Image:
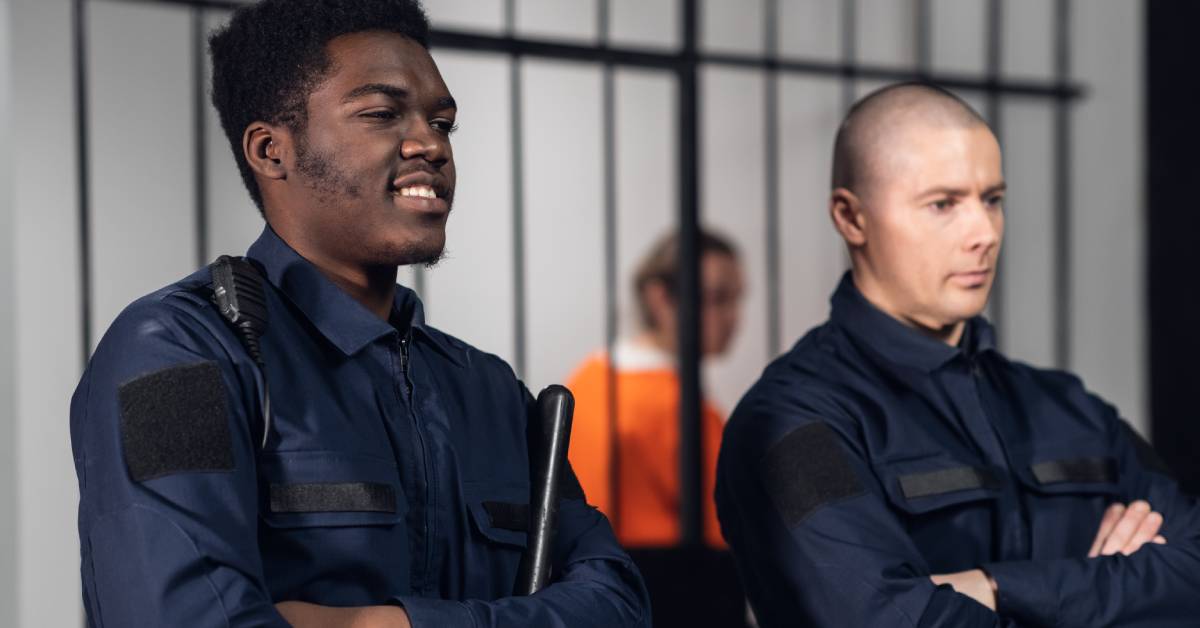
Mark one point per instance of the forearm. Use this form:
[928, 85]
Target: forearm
[1155, 583]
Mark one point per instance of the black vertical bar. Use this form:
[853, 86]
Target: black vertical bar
[199, 138]
[518, 197]
[79, 32]
[993, 59]
[849, 50]
[691, 454]
[1172, 133]
[1062, 196]
[771, 142]
[611, 298]
[923, 32]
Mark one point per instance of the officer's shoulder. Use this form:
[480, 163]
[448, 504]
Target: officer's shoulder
[796, 390]
[470, 356]
[174, 312]
[1057, 384]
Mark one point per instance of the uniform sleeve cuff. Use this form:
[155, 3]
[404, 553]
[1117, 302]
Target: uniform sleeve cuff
[426, 612]
[1022, 593]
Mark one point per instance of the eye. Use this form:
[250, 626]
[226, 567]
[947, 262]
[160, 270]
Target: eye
[444, 126]
[379, 114]
[995, 202]
[942, 205]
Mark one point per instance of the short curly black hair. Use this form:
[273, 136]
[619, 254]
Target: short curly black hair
[271, 55]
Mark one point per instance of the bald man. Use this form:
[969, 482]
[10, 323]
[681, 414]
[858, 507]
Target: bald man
[895, 469]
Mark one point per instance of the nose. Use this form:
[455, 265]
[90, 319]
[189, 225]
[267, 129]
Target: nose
[421, 140]
[984, 227]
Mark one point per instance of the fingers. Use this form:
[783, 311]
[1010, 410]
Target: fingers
[1123, 533]
[1111, 517]
[1145, 533]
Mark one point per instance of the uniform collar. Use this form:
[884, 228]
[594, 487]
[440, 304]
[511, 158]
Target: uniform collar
[897, 342]
[343, 321]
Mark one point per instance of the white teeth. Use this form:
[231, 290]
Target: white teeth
[422, 191]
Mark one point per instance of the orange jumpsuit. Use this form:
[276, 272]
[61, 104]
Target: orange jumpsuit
[648, 431]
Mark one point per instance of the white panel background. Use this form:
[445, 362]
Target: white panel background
[1027, 257]
[810, 29]
[1027, 46]
[959, 35]
[554, 19]
[141, 160]
[812, 257]
[644, 23]
[732, 26]
[564, 217]
[142, 178]
[46, 307]
[886, 32]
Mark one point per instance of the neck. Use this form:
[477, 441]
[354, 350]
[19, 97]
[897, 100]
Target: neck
[873, 292]
[661, 339]
[372, 286]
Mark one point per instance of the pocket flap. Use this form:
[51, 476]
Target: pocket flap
[500, 513]
[312, 489]
[1072, 474]
[929, 484]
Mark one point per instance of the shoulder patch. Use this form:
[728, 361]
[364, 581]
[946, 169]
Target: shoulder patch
[806, 470]
[176, 420]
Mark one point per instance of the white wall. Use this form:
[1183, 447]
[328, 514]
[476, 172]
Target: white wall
[143, 215]
[46, 309]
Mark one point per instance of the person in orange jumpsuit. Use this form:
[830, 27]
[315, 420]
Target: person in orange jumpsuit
[635, 480]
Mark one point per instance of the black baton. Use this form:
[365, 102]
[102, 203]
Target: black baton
[550, 436]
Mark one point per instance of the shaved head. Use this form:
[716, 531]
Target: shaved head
[879, 120]
[918, 191]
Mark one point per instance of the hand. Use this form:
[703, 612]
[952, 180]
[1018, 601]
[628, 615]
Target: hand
[974, 584]
[1125, 530]
[305, 615]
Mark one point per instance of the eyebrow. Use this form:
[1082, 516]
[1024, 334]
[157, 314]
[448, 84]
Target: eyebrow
[392, 91]
[947, 191]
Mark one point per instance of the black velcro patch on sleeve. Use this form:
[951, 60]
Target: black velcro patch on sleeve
[174, 421]
[507, 516]
[1075, 470]
[806, 470]
[946, 481]
[332, 497]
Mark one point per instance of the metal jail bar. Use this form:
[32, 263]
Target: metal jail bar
[685, 64]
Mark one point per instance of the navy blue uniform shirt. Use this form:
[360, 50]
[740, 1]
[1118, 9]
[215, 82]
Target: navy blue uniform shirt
[871, 456]
[395, 471]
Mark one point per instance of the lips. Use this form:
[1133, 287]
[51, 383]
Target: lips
[420, 185]
[972, 277]
[422, 193]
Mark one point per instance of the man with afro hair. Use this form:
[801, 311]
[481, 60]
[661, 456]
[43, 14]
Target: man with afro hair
[282, 439]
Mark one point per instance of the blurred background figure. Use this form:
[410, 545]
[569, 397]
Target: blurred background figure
[635, 479]
[625, 439]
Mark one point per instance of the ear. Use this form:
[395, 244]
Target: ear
[846, 210]
[659, 302]
[265, 146]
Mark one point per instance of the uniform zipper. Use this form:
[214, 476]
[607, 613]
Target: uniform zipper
[420, 438]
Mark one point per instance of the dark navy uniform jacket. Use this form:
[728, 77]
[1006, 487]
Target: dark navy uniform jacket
[396, 470]
[870, 457]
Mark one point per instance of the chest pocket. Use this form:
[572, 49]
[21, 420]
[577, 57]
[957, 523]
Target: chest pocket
[496, 537]
[1067, 491]
[333, 527]
[946, 506]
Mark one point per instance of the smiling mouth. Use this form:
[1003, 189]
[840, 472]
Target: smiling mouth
[418, 191]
